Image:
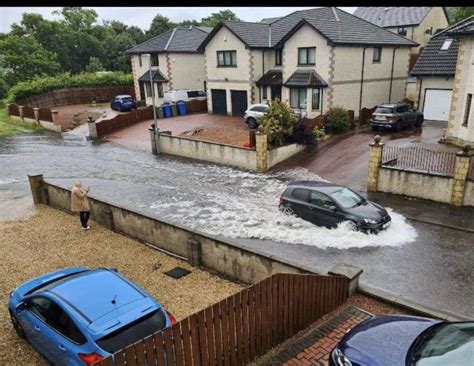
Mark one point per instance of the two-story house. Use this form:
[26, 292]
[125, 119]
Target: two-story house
[461, 118]
[176, 63]
[415, 23]
[314, 59]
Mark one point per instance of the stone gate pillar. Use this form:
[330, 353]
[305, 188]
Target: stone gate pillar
[20, 112]
[261, 147]
[461, 171]
[375, 161]
[93, 135]
[36, 112]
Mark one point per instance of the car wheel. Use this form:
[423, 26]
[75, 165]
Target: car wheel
[398, 126]
[353, 226]
[287, 211]
[419, 122]
[252, 123]
[18, 328]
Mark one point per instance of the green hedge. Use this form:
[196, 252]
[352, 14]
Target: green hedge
[40, 85]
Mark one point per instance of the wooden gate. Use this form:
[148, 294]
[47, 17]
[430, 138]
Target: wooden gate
[241, 327]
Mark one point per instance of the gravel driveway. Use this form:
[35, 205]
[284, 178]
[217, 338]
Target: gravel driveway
[52, 239]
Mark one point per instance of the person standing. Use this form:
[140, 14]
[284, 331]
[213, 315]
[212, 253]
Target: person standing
[79, 203]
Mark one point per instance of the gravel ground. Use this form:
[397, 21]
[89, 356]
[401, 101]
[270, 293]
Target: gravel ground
[224, 135]
[52, 239]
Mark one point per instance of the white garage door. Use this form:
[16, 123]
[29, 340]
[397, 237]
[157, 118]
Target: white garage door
[437, 104]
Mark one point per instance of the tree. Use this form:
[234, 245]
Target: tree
[94, 65]
[278, 123]
[159, 24]
[215, 18]
[187, 23]
[461, 13]
[77, 18]
[25, 58]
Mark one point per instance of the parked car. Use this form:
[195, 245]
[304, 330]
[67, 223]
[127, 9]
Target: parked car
[395, 117]
[123, 103]
[255, 113]
[173, 96]
[77, 316]
[398, 340]
[327, 204]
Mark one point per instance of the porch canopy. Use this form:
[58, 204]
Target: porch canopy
[271, 78]
[308, 78]
[156, 76]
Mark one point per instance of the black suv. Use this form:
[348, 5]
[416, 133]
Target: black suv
[395, 116]
[327, 204]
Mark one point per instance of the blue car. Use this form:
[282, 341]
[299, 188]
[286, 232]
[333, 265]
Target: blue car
[123, 103]
[397, 340]
[77, 316]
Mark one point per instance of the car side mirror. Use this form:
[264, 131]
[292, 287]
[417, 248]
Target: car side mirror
[333, 208]
[21, 306]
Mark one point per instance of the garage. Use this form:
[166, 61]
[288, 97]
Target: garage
[239, 102]
[437, 104]
[219, 102]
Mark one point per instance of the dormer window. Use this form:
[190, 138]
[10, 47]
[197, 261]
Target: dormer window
[446, 44]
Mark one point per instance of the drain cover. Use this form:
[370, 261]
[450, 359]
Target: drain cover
[177, 272]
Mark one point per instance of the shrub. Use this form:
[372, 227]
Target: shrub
[337, 120]
[46, 84]
[318, 132]
[278, 123]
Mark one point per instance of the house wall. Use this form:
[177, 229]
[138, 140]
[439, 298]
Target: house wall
[238, 78]
[432, 83]
[463, 85]
[138, 71]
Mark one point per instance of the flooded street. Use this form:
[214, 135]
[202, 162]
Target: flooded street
[413, 259]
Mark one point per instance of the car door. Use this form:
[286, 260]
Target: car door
[321, 209]
[298, 202]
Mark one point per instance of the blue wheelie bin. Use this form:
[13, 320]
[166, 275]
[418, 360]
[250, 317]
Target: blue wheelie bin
[167, 110]
[181, 108]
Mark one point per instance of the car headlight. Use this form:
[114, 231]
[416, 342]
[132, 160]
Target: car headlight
[370, 221]
[340, 358]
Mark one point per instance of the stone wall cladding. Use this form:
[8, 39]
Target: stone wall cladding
[457, 81]
[169, 72]
[251, 76]
[461, 171]
[375, 161]
[332, 62]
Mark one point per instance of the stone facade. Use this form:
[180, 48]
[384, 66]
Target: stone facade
[375, 161]
[461, 171]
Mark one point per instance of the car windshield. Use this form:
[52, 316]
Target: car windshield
[444, 344]
[346, 198]
[133, 332]
[383, 110]
[127, 100]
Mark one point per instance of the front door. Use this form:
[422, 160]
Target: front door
[276, 92]
[239, 102]
[219, 101]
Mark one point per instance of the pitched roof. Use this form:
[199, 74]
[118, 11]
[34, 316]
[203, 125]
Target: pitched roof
[271, 77]
[269, 20]
[305, 78]
[156, 76]
[393, 16]
[337, 26]
[436, 62]
[463, 28]
[179, 39]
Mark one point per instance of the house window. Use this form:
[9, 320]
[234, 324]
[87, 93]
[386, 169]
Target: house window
[402, 31]
[446, 44]
[140, 60]
[315, 97]
[160, 90]
[278, 57]
[306, 55]
[154, 59]
[468, 110]
[377, 55]
[264, 93]
[226, 58]
[298, 98]
[148, 89]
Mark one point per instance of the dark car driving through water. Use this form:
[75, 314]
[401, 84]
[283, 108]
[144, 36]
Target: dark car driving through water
[327, 204]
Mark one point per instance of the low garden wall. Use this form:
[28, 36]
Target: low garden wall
[258, 158]
[45, 117]
[77, 96]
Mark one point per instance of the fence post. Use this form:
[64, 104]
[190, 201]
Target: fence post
[36, 112]
[7, 110]
[261, 151]
[375, 161]
[461, 171]
[20, 112]
[55, 115]
[36, 184]
[92, 128]
[154, 144]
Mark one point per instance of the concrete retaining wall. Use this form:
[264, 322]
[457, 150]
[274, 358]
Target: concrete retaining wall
[45, 124]
[214, 254]
[276, 156]
[415, 184]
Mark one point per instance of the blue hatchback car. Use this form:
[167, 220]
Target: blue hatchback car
[123, 103]
[77, 316]
[398, 340]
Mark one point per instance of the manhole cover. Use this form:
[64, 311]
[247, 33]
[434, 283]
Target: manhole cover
[177, 272]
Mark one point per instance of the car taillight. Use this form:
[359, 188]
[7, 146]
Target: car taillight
[172, 318]
[89, 359]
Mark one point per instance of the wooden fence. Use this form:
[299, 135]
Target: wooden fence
[196, 106]
[45, 114]
[28, 112]
[123, 120]
[241, 327]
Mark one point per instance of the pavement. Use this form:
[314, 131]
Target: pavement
[138, 136]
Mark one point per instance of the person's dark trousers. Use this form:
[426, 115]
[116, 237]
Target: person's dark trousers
[84, 216]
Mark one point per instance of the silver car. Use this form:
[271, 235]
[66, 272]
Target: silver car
[254, 114]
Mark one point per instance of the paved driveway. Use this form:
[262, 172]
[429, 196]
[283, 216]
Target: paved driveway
[137, 136]
[345, 160]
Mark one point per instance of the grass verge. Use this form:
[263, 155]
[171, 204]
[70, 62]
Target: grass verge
[10, 126]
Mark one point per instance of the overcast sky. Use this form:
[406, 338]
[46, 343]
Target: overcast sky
[141, 17]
